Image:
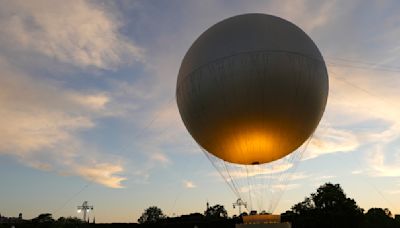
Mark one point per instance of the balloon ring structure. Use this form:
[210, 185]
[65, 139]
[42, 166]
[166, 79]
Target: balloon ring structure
[252, 89]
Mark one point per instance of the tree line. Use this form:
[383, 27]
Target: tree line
[42, 220]
[328, 207]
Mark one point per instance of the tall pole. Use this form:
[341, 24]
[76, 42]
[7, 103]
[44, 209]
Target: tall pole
[85, 208]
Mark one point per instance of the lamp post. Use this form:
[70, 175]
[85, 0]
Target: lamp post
[239, 202]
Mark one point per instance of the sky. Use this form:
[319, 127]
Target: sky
[88, 110]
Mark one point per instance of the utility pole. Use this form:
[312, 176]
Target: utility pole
[239, 203]
[85, 208]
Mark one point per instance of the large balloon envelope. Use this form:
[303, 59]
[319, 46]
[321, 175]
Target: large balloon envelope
[252, 89]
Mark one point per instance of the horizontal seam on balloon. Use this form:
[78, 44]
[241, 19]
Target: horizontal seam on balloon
[247, 52]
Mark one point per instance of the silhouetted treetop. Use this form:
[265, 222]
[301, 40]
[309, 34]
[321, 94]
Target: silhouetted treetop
[328, 207]
[216, 211]
[44, 218]
[382, 218]
[151, 215]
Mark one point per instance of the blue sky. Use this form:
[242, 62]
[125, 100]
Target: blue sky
[88, 110]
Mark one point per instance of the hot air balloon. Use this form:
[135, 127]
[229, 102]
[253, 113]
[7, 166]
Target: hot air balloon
[251, 90]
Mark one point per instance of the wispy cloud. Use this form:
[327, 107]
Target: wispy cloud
[384, 164]
[40, 123]
[324, 177]
[41, 118]
[92, 101]
[150, 158]
[189, 184]
[328, 140]
[35, 115]
[80, 33]
[369, 106]
[160, 158]
[298, 176]
[102, 173]
[309, 15]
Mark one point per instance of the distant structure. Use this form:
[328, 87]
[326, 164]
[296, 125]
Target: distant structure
[263, 221]
[239, 203]
[85, 208]
[15, 220]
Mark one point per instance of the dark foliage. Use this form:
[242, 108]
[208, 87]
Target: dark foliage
[382, 218]
[216, 211]
[43, 218]
[151, 215]
[328, 207]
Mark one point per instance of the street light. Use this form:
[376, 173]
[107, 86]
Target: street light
[85, 208]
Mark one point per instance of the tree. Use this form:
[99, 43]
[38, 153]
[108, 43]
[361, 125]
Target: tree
[328, 207]
[69, 220]
[44, 218]
[378, 217]
[216, 211]
[151, 215]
